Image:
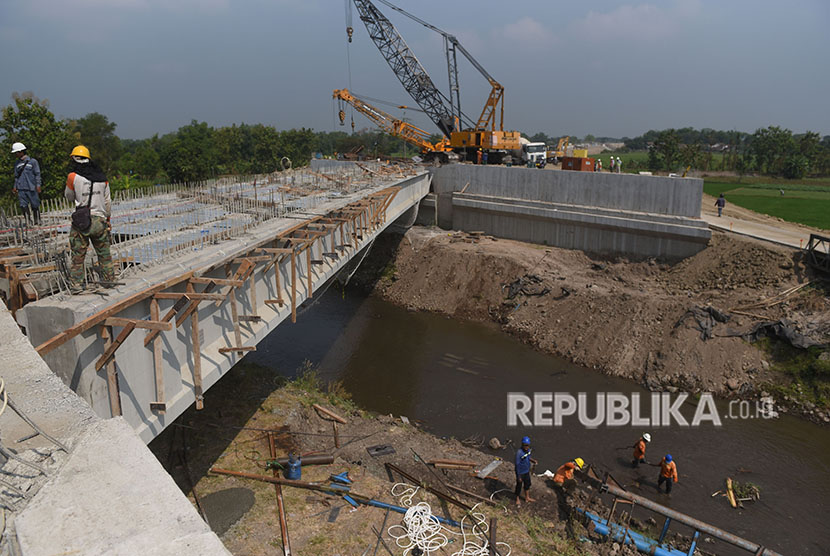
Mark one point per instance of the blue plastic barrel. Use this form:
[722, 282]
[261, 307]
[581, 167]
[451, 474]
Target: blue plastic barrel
[293, 471]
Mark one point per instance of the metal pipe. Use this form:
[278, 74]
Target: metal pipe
[695, 524]
[614, 531]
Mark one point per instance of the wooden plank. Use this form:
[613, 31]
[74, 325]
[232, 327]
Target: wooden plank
[158, 363]
[239, 276]
[238, 348]
[293, 286]
[29, 291]
[99, 317]
[277, 250]
[110, 351]
[36, 269]
[201, 296]
[112, 375]
[177, 306]
[234, 312]
[329, 413]
[253, 259]
[140, 323]
[309, 249]
[217, 281]
[194, 306]
[252, 293]
[197, 355]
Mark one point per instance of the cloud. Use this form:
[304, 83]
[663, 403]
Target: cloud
[526, 32]
[634, 23]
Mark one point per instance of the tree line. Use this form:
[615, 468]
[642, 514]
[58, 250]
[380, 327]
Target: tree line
[198, 151]
[194, 152]
[772, 151]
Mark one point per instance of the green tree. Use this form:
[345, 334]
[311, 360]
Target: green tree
[97, 133]
[667, 146]
[47, 139]
[191, 154]
[771, 146]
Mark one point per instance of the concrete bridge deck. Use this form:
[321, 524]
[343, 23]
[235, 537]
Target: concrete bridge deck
[149, 348]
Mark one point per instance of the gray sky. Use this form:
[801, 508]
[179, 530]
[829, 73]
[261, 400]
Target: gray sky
[604, 67]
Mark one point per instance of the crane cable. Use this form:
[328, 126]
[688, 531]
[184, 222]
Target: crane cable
[349, 31]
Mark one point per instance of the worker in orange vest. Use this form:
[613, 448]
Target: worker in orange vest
[640, 450]
[479, 155]
[566, 471]
[668, 473]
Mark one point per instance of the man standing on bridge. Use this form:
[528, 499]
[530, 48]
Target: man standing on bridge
[523, 463]
[27, 183]
[88, 188]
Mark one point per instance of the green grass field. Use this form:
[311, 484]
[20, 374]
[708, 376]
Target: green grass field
[806, 201]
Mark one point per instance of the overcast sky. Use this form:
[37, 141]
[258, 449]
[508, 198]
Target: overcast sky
[610, 68]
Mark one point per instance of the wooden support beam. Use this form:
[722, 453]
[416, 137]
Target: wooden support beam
[252, 293]
[140, 323]
[97, 318]
[158, 363]
[112, 376]
[193, 296]
[237, 348]
[178, 306]
[217, 281]
[293, 287]
[277, 250]
[253, 259]
[308, 251]
[194, 305]
[279, 302]
[237, 333]
[197, 354]
[110, 350]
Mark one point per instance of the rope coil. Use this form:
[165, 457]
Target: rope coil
[422, 530]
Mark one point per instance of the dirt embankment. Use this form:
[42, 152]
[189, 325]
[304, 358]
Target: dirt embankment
[622, 317]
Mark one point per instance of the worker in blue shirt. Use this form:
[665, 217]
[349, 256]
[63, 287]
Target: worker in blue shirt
[27, 183]
[523, 464]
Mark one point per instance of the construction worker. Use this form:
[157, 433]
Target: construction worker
[618, 165]
[668, 473]
[611, 165]
[479, 155]
[564, 476]
[523, 464]
[27, 183]
[87, 186]
[484, 158]
[640, 450]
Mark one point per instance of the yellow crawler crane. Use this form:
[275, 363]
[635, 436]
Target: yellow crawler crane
[391, 125]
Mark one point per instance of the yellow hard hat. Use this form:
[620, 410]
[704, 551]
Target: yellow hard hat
[80, 150]
[579, 462]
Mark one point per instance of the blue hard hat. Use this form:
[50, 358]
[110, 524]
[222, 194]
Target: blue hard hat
[668, 458]
[525, 440]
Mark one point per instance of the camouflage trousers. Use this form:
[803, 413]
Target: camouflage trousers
[99, 235]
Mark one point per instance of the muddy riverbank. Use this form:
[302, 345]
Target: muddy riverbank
[635, 319]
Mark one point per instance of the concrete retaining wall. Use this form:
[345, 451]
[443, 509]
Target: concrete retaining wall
[651, 194]
[640, 216]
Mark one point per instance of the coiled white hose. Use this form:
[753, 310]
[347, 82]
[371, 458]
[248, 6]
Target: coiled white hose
[422, 530]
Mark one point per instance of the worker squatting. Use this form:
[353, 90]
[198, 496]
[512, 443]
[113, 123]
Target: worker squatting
[547, 409]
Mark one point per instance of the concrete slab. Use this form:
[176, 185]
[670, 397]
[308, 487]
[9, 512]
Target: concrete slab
[113, 497]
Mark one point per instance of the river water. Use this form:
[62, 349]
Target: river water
[455, 377]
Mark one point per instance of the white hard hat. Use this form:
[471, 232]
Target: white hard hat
[17, 147]
[647, 437]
